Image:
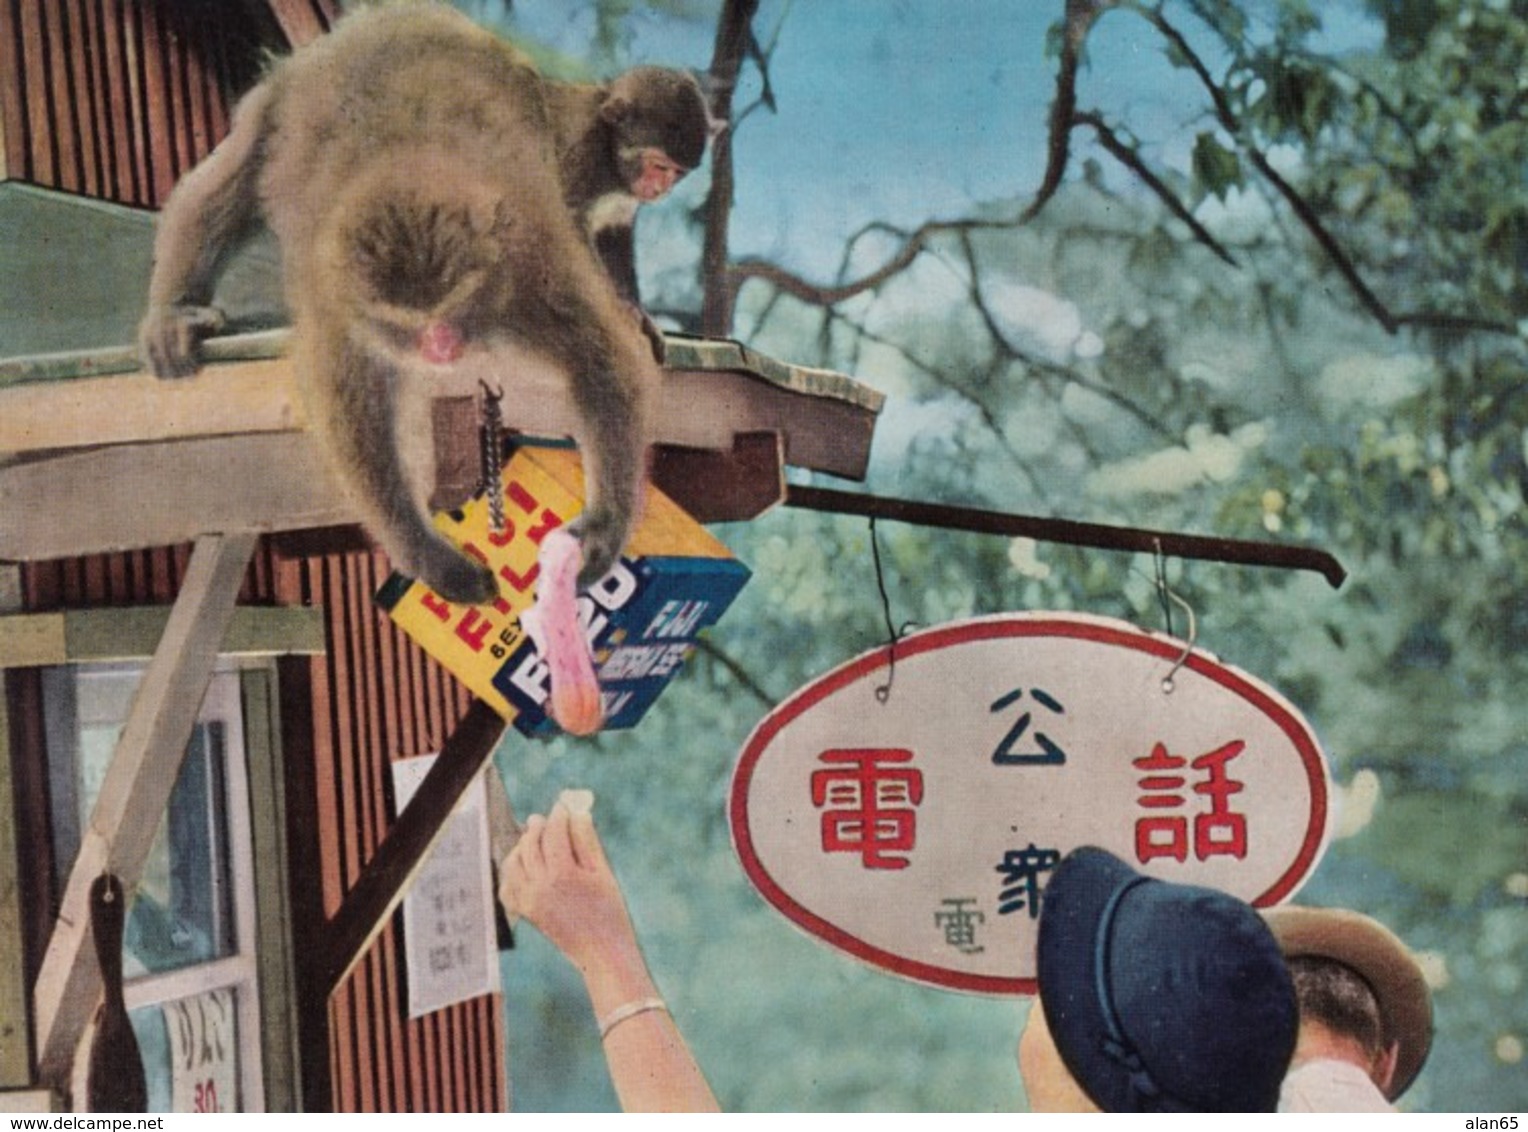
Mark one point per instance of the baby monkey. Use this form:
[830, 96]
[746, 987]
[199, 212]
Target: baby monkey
[622, 146]
[440, 204]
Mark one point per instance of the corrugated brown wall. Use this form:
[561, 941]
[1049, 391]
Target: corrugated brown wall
[373, 698]
[139, 577]
[117, 98]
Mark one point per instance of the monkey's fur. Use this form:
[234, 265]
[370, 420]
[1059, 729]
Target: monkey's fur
[408, 163]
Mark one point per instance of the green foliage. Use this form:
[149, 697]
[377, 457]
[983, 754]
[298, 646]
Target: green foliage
[1216, 168]
[1256, 401]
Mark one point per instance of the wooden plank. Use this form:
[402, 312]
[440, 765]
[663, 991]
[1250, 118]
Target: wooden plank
[381, 885]
[302, 692]
[166, 494]
[94, 56]
[299, 22]
[44, 168]
[66, 129]
[249, 397]
[347, 844]
[458, 462]
[267, 821]
[29, 640]
[136, 789]
[156, 494]
[159, 109]
[127, 633]
[78, 59]
[12, 588]
[826, 418]
[117, 92]
[724, 487]
[15, 1036]
[14, 159]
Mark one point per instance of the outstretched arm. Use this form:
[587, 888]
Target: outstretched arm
[557, 877]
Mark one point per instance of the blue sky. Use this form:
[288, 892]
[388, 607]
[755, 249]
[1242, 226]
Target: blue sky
[905, 111]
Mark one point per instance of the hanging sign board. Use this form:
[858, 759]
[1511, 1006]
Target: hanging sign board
[915, 829]
[450, 941]
[642, 620]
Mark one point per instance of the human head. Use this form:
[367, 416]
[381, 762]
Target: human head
[1162, 997]
[1356, 978]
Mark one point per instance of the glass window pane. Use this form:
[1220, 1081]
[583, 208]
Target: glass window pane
[182, 913]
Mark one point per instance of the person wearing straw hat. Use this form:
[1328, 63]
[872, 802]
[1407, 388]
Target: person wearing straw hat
[1365, 1010]
[1154, 997]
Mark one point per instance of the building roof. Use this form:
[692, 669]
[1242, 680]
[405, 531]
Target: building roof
[97, 455]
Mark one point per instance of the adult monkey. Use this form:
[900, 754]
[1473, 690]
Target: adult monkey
[411, 166]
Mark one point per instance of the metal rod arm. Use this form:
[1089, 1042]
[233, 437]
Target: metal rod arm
[1069, 532]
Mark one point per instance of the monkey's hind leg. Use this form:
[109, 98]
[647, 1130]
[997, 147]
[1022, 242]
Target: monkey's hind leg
[368, 416]
[613, 380]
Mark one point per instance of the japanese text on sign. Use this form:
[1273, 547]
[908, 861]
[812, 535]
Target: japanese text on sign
[869, 805]
[1218, 832]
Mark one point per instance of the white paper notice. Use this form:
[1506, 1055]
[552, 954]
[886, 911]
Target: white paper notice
[449, 940]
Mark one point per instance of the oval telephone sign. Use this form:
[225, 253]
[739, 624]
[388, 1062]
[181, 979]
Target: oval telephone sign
[915, 829]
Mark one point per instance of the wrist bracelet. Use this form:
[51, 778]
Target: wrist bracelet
[629, 1010]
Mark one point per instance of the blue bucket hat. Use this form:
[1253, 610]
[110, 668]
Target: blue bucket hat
[1162, 997]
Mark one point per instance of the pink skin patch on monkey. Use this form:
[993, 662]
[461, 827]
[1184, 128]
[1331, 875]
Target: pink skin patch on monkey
[553, 624]
[440, 343]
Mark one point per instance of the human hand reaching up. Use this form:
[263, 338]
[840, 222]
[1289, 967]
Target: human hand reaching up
[558, 878]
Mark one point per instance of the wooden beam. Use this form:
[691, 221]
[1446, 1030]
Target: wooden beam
[119, 633]
[276, 935]
[723, 487]
[299, 22]
[15, 1039]
[254, 396]
[139, 495]
[712, 390]
[386, 876]
[136, 788]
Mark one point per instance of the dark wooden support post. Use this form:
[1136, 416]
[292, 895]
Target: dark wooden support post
[386, 876]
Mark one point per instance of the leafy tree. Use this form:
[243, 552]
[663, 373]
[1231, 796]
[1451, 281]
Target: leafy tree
[1312, 329]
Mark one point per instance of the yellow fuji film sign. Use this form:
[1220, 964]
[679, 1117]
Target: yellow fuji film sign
[642, 619]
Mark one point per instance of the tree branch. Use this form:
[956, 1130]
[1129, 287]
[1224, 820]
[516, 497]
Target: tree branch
[734, 39]
[818, 294]
[1078, 21]
[1339, 258]
[1131, 160]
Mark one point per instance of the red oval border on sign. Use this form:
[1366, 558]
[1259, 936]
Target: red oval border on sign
[998, 627]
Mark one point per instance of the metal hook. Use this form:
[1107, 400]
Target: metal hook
[1193, 632]
[1159, 566]
[893, 635]
[883, 692]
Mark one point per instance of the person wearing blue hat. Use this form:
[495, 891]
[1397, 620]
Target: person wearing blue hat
[1154, 996]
